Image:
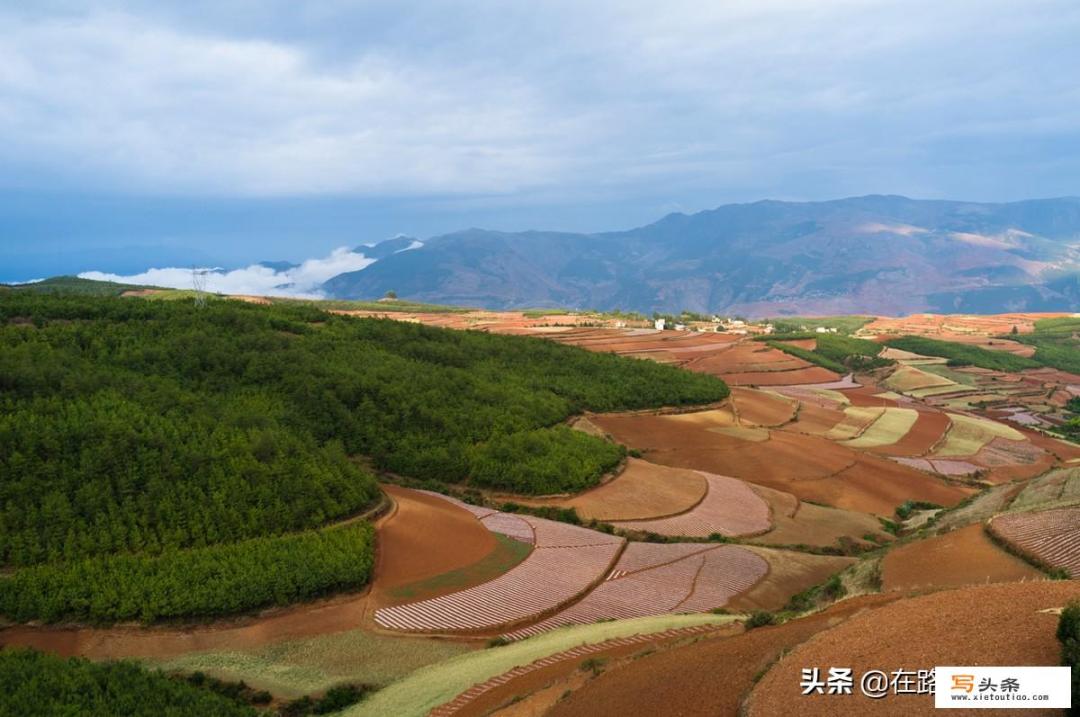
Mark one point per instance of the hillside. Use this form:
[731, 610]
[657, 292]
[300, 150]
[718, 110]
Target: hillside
[145, 446]
[873, 254]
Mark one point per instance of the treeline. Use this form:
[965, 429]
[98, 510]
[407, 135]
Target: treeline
[547, 460]
[197, 582]
[808, 355]
[145, 446]
[33, 683]
[157, 467]
[963, 354]
[856, 354]
[1056, 342]
[838, 353]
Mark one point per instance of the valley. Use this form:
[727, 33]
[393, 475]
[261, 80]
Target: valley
[603, 499]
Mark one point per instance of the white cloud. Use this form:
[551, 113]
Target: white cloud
[303, 281]
[784, 97]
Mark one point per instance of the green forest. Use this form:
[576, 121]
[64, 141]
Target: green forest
[32, 683]
[838, 353]
[160, 429]
[207, 582]
[1056, 342]
[963, 354]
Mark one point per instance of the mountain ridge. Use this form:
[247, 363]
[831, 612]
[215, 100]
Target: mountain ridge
[875, 253]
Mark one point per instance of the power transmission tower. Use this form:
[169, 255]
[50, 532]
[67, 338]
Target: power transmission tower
[198, 283]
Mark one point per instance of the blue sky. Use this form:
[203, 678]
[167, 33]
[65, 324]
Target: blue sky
[230, 132]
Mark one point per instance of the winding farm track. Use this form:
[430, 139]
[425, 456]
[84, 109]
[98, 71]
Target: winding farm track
[652, 579]
[1051, 536]
[730, 507]
[565, 562]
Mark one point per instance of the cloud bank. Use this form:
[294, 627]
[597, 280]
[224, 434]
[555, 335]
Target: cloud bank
[303, 281]
[783, 98]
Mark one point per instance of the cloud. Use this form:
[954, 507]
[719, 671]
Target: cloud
[303, 281]
[567, 100]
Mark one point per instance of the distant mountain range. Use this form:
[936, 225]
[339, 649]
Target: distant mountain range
[874, 254]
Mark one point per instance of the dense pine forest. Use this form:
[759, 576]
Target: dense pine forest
[32, 683]
[135, 436]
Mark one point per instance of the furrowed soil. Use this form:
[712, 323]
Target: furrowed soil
[924, 435]
[761, 408]
[643, 490]
[810, 467]
[707, 678]
[801, 523]
[790, 573]
[1007, 624]
[424, 538]
[963, 557]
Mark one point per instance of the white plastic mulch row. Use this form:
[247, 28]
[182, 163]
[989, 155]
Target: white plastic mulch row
[566, 560]
[730, 507]
[654, 579]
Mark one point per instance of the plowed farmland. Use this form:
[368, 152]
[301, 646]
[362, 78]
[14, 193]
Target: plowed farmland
[1050, 536]
[729, 507]
[643, 491]
[763, 408]
[962, 557]
[810, 467]
[799, 523]
[565, 562]
[653, 579]
[920, 438]
[685, 680]
[1008, 624]
[413, 544]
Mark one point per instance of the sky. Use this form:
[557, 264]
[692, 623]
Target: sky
[141, 134]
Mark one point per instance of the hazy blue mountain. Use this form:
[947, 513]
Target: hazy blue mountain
[386, 247]
[883, 254]
[278, 266]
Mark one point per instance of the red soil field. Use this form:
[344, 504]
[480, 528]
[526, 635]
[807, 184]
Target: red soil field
[1006, 624]
[413, 541]
[566, 562]
[867, 396]
[1063, 450]
[547, 680]
[1051, 536]
[1013, 460]
[876, 485]
[795, 522]
[729, 507]
[750, 355]
[761, 408]
[642, 491]
[963, 557]
[934, 324]
[812, 374]
[707, 678]
[652, 579]
[927, 431]
[815, 419]
[991, 344]
[790, 572]
[809, 467]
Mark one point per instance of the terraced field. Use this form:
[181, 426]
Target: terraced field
[1050, 536]
[642, 491]
[652, 579]
[968, 434]
[565, 562]
[730, 507]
